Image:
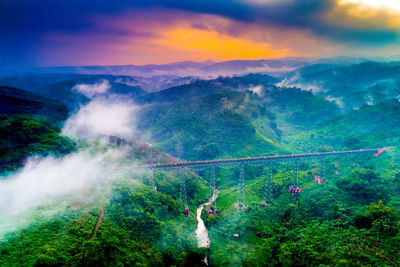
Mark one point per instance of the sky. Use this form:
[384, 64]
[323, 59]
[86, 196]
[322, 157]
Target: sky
[121, 32]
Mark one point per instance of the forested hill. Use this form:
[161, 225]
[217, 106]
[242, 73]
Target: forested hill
[203, 87]
[30, 125]
[349, 216]
[351, 86]
[66, 93]
[230, 116]
[370, 126]
[358, 74]
[14, 101]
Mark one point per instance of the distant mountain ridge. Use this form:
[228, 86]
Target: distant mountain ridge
[188, 68]
[156, 77]
[32, 80]
[211, 68]
[17, 101]
[203, 87]
[350, 86]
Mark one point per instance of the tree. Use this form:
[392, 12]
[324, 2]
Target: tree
[384, 218]
[362, 185]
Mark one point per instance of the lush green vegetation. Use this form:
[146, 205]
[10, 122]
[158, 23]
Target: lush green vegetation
[138, 229]
[197, 129]
[368, 127]
[29, 125]
[25, 135]
[16, 101]
[351, 219]
[64, 92]
[351, 85]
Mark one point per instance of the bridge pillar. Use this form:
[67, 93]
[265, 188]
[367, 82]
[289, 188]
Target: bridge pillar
[324, 164]
[268, 185]
[339, 170]
[296, 173]
[182, 191]
[212, 184]
[294, 189]
[152, 183]
[212, 208]
[241, 197]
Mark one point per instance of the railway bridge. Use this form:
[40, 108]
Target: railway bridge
[294, 189]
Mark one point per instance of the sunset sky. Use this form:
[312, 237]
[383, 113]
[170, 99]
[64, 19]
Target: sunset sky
[103, 32]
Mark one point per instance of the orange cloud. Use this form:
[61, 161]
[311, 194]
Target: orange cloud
[201, 44]
[163, 37]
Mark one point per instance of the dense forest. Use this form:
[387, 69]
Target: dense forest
[347, 217]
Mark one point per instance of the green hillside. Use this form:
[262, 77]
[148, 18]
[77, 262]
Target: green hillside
[367, 127]
[352, 85]
[15, 101]
[349, 219]
[29, 125]
[25, 135]
[232, 120]
[204, 87]
[213, 126]
[64, 92]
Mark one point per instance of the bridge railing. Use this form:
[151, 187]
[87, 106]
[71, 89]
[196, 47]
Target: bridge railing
[217, 162]
[254, 161]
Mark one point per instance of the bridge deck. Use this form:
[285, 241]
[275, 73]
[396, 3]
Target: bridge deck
[257, 159]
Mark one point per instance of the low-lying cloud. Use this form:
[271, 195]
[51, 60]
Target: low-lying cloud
[52, 182]
[103, 116]
[295, 81]
[44, 181]
[46, 178]
[339, 101]
[91, 90]
[257, 89]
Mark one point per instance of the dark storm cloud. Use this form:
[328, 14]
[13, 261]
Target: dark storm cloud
[73, 15]
[24, 22]
[301, 14]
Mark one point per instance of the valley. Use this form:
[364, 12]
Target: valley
[64, 135]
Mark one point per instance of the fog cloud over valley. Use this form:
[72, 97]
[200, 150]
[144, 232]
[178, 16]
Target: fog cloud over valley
[90, 90]
[103, 116]
[79, 176]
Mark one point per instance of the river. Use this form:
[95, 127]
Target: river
[201, 232]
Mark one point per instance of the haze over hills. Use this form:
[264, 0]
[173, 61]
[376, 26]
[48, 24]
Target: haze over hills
[158, 77]
[170, 133]
[188, 68]
[110, 121]
[209, 68]
[153, 77]
[349, 86]
[273, 105]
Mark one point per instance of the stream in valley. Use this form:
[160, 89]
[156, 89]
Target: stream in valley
[203, 239]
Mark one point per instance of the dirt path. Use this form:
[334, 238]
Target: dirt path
[386, 258]
[96, 227]
[94, 231]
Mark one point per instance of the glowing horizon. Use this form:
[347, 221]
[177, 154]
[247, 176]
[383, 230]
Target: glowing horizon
[157, 33]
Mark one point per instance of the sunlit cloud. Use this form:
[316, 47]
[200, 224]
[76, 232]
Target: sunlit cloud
[155, 31]
[266, 2]
[388, 5]
[211, 44]
[162, 36]
[367, 13]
